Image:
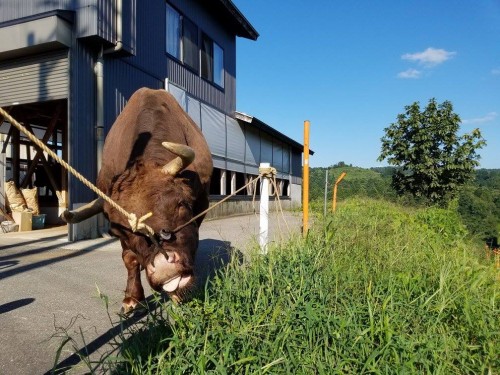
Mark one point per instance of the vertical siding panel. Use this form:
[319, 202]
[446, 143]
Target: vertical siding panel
[81, 127]
[121, 81]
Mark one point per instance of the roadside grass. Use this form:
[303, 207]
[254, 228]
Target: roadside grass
[375, 288]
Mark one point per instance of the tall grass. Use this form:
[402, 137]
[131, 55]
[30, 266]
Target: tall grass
[377, 288]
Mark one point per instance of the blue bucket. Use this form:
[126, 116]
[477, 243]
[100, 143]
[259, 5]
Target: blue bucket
[38, 221]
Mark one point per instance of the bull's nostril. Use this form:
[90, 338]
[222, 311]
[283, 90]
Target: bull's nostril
[171, 257]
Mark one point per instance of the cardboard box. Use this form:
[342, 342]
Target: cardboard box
[23, 219]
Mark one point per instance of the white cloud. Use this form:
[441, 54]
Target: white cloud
[479, 120]
[410, 73]
[429, 57]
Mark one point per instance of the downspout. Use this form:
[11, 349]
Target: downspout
[99, 74]
[99, 121]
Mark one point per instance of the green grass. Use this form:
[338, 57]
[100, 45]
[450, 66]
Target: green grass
[376, 288]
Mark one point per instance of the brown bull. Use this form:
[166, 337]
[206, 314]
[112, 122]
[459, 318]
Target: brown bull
[155, 159]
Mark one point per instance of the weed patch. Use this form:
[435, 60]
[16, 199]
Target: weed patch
[376, 288]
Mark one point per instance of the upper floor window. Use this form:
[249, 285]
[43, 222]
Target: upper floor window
[182, 38]
[183, 43]
[212, 61]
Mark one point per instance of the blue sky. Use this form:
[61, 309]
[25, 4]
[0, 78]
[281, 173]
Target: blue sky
[350, 67]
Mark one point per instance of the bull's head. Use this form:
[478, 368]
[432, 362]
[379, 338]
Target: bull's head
[171, 269]
[166, 192]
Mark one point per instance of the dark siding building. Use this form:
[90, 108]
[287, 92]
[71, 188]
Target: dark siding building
[68, 67]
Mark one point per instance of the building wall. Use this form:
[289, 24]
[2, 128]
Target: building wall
[81, 121]
[94, 18]
[143, 61]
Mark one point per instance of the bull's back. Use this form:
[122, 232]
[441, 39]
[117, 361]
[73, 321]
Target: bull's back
[150, 118]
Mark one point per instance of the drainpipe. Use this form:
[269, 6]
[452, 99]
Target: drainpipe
[99, 121]
[99, 74]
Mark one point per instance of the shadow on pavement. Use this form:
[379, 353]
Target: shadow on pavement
[28, 267]
[6, 307]
[211, 256]
[34, 241]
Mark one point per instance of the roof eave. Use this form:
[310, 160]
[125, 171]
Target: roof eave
[244, 28]
[240, 116]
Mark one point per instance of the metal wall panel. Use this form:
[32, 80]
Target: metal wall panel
[286, 158]
[179, 95]
[296, 164]
[194, 109]
[252, 154]
[235, 166]
[213, 126]
[277, 155]
[107, 19]
[121, 80]
[266, 149]
[236, 144]
[81, 127]
[93, 17]
[219, 162]
[35, 78]
[196, 86]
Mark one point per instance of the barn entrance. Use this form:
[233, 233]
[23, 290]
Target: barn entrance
[27, 165]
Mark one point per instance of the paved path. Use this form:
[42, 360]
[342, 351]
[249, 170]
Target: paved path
[49, 286]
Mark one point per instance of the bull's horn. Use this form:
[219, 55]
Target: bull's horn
[185, 156]
[84, 212]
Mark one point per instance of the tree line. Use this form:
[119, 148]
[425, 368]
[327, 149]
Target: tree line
[430, 163]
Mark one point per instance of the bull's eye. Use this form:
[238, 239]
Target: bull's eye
[166, 235]
[185, 205]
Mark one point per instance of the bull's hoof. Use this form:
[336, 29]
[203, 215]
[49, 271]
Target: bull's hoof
[175, 299]
[131, 305]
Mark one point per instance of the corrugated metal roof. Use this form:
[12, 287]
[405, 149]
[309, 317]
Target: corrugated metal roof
[245, 118]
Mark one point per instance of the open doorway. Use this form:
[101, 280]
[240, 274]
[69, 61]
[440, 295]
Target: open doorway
[27, 165]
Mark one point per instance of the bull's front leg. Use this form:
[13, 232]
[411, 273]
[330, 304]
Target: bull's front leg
[134, 293]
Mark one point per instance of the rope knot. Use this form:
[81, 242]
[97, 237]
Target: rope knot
[268, 172]
[138, 225]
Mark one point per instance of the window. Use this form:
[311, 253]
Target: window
[206, 57]
[218, 65]
[212, 61]
[184, 45]
[182, 38]
[190, 44]
[173, 32]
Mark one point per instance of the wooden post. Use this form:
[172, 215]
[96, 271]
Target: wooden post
[264, 211]
[334, 204]
[305, 180]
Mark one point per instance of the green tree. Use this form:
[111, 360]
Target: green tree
[433, 160]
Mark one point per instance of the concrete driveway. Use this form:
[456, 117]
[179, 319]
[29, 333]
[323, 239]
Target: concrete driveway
[49, 287]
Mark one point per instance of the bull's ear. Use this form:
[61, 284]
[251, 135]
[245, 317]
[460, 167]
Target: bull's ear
[185, 156]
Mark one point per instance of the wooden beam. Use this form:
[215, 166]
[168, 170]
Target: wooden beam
[9, 133]
[46, 137]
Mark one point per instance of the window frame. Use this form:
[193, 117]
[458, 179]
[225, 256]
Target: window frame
[181, 37]
[209, 64]
[214, 46]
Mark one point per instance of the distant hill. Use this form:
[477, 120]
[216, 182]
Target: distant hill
[358, 181]
[478, 201]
